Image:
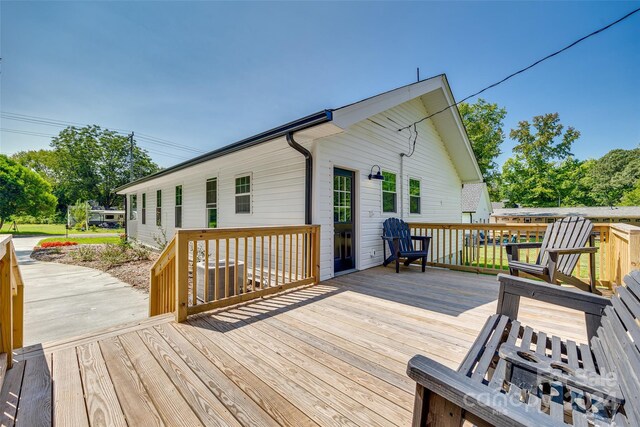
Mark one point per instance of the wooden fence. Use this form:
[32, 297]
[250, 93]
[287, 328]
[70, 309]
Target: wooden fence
[481, 248]
[11, 302]
[202, 270]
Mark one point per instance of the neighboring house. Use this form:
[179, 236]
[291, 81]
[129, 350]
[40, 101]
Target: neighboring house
[628, 214]
[102, 216]
[317, 170]
[476, 205]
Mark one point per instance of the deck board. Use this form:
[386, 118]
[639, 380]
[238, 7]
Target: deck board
[329, 355]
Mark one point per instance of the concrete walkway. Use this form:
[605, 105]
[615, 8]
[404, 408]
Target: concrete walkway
[62, 301]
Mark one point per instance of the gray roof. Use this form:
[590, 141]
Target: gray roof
[471, 194]
[497, 205]
[590, 212]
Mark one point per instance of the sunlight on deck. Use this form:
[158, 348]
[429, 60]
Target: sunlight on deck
[331, 354]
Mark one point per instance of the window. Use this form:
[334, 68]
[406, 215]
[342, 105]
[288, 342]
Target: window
[178, 219]
[144, 208]
[414, 196]
[389, 202]
[212, 203]
[133, 207]
[159, 208]
[108, 217]
[527, 220]
[243, 194]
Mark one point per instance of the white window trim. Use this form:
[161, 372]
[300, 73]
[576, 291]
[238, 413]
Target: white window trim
[250, 193]
[409, 194]
[155, 211]
[206, 205]
[388, 214]
[133, 213]
[175, 205]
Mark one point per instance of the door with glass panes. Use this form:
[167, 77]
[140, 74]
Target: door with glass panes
[343, 220]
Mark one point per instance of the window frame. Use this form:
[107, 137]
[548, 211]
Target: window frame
[249, 193]
[178, 207]
[158, 208]
[143, 218]
[419, 196]
[133, 207]
[211, 205]
[395, 193]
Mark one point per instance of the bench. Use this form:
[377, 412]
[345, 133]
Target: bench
[515, 376]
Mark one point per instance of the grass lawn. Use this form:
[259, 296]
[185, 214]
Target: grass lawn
[52, 229]
[83, 240]
[494, 261]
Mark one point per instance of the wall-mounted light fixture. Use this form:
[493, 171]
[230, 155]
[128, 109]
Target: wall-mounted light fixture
[378, 174]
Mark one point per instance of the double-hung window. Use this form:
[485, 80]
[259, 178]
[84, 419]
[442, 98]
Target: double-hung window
[159, 208]
[389, 194]
[178, 218]
[212, 203]
[133, 207]
[243, 194]
[414, 196]
[144, 208]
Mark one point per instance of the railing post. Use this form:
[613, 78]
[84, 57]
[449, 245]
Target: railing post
[316, 253]
[634, 249]
[182, 277]
[153, 293]
[18, 301]
[6, 303]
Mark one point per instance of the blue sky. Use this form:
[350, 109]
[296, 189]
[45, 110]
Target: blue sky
[205, 74]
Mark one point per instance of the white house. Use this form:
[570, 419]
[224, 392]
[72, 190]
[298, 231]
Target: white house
[476, 204]
[317, 170]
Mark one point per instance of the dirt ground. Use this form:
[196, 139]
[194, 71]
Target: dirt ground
[135, 273]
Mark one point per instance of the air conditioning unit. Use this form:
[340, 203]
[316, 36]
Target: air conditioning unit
[219, 279]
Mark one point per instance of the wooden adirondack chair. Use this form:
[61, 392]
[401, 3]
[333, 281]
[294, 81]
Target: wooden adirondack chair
[400, 241]
[560, 251]
[516, 376]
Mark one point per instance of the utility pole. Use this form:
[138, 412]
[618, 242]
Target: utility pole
[131, 177]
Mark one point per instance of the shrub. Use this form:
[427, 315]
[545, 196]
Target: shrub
[85, 253]
[112, 255]
[93, 228]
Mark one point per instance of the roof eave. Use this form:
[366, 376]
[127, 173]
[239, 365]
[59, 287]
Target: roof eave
[297, 125]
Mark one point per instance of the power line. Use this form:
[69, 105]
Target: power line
[26, 132]
[569, 46]
[62, 124]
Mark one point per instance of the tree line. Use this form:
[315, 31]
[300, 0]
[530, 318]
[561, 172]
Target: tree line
[542, 171]
[82, 164]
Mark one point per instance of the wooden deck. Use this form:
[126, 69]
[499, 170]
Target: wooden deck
[332, 354]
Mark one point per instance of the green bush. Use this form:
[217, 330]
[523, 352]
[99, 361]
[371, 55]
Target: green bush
[85, 253]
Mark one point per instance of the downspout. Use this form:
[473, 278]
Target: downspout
[308, 183]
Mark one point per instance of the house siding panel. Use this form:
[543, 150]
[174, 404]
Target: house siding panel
[366, 144]
[277, 181]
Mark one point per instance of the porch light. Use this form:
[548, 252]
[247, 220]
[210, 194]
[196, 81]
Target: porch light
[378, 174]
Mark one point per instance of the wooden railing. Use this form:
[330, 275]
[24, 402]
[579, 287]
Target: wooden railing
[624, 251]
[481, 248]
[11, 301]
[202, 270]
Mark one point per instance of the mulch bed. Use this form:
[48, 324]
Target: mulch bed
[134, 273]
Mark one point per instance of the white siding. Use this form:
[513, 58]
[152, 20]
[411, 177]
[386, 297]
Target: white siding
[277, 196]
[278, 184]
[366, 144]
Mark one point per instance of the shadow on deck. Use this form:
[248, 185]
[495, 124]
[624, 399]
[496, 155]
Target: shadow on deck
[331, 354]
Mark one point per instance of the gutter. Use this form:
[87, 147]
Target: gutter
[295, 126]
[308, 179]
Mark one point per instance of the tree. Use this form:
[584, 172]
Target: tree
[534, 177]
[483, 122]
[632, 198]
[23, 191]
[92, 162]
[613, 175]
